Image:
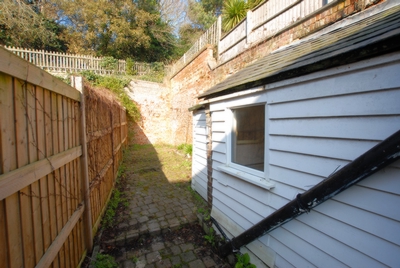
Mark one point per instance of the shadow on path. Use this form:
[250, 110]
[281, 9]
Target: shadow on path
[157, 225]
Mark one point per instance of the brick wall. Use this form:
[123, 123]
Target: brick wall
[165, 114]
[153, 101]
[185, 86]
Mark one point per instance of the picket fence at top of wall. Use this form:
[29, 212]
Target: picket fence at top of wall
[65, 62]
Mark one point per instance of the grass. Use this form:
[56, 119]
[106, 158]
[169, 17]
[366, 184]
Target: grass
[187, 149]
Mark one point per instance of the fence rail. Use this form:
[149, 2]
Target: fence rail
[49, 209]
[260, 23]
[70, 63]
[265, 21]
[210, 37]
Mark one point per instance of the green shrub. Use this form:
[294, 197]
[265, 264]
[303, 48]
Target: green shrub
[187, 149]
[109, 63]
[105, 261]
[116, 84]
[129, 67]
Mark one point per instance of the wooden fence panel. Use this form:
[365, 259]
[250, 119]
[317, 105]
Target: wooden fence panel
[104, 115]
[41, 194]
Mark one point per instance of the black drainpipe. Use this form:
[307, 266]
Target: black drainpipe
[365, 165]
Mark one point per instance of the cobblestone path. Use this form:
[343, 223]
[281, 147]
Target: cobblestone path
[158, 226]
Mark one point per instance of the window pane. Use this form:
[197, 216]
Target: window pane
[248, 137]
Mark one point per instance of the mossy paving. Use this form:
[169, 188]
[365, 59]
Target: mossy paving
[160, 211]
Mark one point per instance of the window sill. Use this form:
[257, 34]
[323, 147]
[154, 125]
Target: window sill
[263, 183]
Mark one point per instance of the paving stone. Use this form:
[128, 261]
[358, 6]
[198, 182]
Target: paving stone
[208, 261]
[179, 213]
[168, 211]
[136, 209]
[143, 229]
[131, 236]
[120, 240]
[164, 264]
[160, 213]
[151, 206]
[170, 216]
[163, 224]
[197, 264]
[141, 263]
[175, 250]
[183, 220]
[188, 256]
[145, 212]
[133, 222]
[175, 260]
[187, 212]
[155, 231]
[174, 223]
[110, 242]
[153, 257]
[178, 241]
[123, 225]
[143, 219]
[176, 207]
[128, 264]
[157, 246]
[186, 247]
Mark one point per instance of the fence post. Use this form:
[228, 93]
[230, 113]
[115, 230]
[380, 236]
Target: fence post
[77, 83]
[219, 33]
[249, 26]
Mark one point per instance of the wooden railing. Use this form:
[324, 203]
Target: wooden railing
[261, 23]
[210, 37]
[266, 20]
[58, 164]
[71, 63]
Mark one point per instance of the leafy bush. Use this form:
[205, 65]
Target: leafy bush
[156, 74]
[116, 85]
[109, 63]
[129, 67]
[105, 261]
[90, 76]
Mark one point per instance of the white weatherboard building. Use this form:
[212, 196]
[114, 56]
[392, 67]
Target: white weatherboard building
[288, 122]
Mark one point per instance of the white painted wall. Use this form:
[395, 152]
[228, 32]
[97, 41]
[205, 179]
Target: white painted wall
[317, 124]
[199, 154]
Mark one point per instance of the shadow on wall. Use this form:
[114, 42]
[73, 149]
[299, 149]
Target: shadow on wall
[136, 134]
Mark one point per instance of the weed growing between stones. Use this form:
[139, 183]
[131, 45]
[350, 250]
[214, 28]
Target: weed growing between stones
[104, 261]
[116, 199]
[243, 261]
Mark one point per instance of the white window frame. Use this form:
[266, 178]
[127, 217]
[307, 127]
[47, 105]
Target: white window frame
[254, 176]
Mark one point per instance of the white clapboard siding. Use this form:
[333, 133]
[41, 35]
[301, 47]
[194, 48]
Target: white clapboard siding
[350, 215]
[383, 76]
[199, 154]
[317, 124]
